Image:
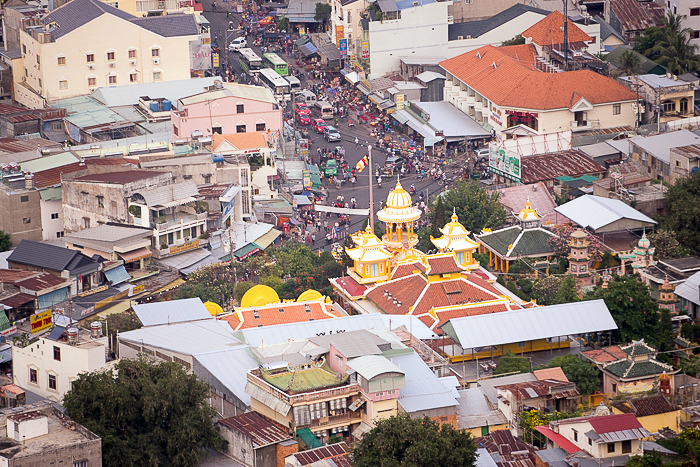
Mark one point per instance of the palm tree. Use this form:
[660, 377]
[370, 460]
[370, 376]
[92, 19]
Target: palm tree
[630, 61]
[674, 50]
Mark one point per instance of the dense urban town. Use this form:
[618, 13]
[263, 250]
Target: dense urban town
[337, 233]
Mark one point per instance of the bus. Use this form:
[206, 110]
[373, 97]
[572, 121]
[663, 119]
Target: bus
[275, 83]
[249, 61]
[272, 60]
[294, 82]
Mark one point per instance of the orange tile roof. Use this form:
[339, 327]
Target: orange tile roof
[511, 82]
[550, 31]
[443, 265]
[556, 374]
[270, 315]
[252, 140]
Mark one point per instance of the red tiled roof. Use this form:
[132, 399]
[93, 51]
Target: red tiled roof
[443, 265]
[406, 290]
[270, 315]
[331, 451]
[493, 73]
[262, 431]
[611, 423]
[558, 439]
[52, 177]
[120, 177]
[550, 31]
[461, 312]
[605, 355]
[351, 286]
[513, 198]
[556, 374]
[403, 270]
[645, 406]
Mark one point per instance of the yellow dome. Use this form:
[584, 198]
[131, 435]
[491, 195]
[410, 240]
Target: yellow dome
[213, 308]
[528, 214]
[309, 295]
[398, 198]
[259, 295]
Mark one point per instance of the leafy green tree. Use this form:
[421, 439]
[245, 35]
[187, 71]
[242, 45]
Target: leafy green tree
[665, 335]
[687, 331]
[282, 23]
[649, 459]
[120, 322]
[241, 288]
[271, 281]
[577, 371]
[403, 441]
[323, 12]
[683, 214]
[147, 413]
[670, 45]
[649, 38]
[567, 292]
[666, 244]
[516, 40]
[630, 62]
[633, 308]
[210, 283]
[438, 218]
[5, 241]
[545, 290]
[511, 363]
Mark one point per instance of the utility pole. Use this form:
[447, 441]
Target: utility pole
[371, 190]
[566, 35]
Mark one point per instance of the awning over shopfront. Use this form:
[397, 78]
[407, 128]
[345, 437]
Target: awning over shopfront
[117, 275]
[386, 105]
[363, 89]
[352, 77]
[308, 49]
[376, 99]
[267, 239]
[421, 128]
[246, 251]
[308, 438]
[135, 255]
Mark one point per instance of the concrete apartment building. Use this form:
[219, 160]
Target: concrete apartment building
[66, 52]
[40, 435]
[48, 365]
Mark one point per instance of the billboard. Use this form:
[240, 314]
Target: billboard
[365, 51]
[200, 56]
[215, 60]
[343, 47]
[504, 162]
[399, 99]
[41, 321]
[339, 34]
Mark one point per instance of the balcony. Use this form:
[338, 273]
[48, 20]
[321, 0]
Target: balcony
[346, 390]
[585, 125]
[179, 221]
[332, 420]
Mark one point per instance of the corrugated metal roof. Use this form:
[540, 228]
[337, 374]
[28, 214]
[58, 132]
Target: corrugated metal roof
[423, 390]
[262, 431]
[530, 324]
[546, 167]
[690, 289]
[371, 366]
[192, 338]
[597, 212]
[267, 399]
[229, 368]
[660, 145]
[172, 90]
[173, 311]
[167, 194]
[117, 275]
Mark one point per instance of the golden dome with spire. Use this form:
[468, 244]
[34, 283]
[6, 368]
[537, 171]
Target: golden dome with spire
[399, 207]
[398, 197]
[528, 214]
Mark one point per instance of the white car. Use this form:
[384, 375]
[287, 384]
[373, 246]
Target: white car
[238, 44]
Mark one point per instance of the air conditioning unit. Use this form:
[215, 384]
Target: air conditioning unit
[91, 67]
[132, 62]
[112, 65]
[156, 61]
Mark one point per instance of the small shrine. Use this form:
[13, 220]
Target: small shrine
[667, 297]
[455, 238]
[642, 256]
[579, 258]
[371, 258]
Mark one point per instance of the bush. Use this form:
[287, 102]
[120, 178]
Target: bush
[241, 288]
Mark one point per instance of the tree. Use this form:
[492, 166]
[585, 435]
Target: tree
[647, 40]
[282, 23]
[666, 244]
[323, 12]
[665, 335]
[5, 241]
[438, 218]
[120, 322]
[403, 441]
[511, 363]
[683, 214]
[567, 292]
[630, 62]
[632, 307]
[241, 288]
[146, 412]
[211, 283]
[517, 40]
[670, 45]
[577, 371]
[545, 290]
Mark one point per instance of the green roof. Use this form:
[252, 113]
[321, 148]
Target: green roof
[637, 348]
[4, 322]
[308, 438]
[630, 369]
[49, 162]
[51, 194]
[528, 242]
[585, 178]
[304, 380]
[500, 240]
[645, 65]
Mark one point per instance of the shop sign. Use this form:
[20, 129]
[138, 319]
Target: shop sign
[41, 321]
[365, 51]
[400, 101]
[339, 34]
[9, 332]
[306, 175]
[138, 289]
[517, 113]
[343, 47]
[184, 247]
[215, 59]
[496, 116]
[504, 162]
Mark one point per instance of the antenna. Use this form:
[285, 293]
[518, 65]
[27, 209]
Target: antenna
[566, 35]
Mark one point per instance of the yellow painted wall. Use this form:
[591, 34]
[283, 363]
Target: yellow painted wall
[266, 411]
[534, 346]
[476, 432]
[653, 423]
[378, 408]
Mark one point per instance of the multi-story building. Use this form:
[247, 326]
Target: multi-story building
[654, 152]
[47, 365]
[66, 52]
[226, 108]
[345, 19]
[154, 7]
[39, 434]
[665, 98]
[684, 160]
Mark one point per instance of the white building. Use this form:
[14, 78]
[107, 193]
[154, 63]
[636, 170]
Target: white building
[50, 364]
[345, 17]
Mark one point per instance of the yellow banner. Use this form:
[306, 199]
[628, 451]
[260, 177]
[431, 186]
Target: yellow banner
[41, 321]
[184, 247]
[215, 58]
[138, 289]
[339, 34]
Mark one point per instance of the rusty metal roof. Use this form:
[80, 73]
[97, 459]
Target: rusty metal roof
[691, 151]
[634, 16]
[261, 430]
[544, 167]
[332, 451]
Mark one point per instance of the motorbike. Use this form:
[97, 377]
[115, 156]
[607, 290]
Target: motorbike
[412, 190]
[379, 182]
[351, 124]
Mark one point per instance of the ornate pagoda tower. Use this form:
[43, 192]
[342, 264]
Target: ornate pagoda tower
[667, 297]
[398, 215]
[455, 238]
[579, 259]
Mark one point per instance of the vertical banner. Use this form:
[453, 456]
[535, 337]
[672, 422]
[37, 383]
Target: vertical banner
[365, 51]
[399, 101]
[339, 34]
[343, 48]
[215, 59]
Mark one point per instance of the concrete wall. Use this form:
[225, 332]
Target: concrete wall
[461, 10]
[240, 446]
[20, 219]
[51, 228]
[88, 450]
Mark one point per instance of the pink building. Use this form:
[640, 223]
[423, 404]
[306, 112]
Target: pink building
[226, 108]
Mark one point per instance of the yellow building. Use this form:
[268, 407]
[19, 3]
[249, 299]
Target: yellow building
[455, 238]
[75, 49]
[653, 412]
[372, 260]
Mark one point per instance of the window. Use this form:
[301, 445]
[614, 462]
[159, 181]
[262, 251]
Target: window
[38, 60]
[132, 54]
[92, 81]
[626, 447]
[24, 198]
[617, 109]
[216, 129]
[678, 163]
[27, 220]
[340, 361]
[244, 177]
[86, 222]
[590, 442]
[63, 85]
[33, 376]
[24, 49]
[207, 178]
[696, 34]
[259, 127]
[61, 61]
[155, 53]
[614, 388]
[59, 234]
[112, 80]
[575, 435]
[157, 76]
[193, 233]
[52, 382]
[54, 215]
[57, 353]
[240, 108]
[240, 128]
[684, 106]
[80, 464]
[695, 12]
[245, 203]
[90, 58]
[582, 268]
[611, 448]
[100, 201]
[668, 106]
[133, 77]
[110, 56]
[40, 86]
[573, 268]
[175, 130]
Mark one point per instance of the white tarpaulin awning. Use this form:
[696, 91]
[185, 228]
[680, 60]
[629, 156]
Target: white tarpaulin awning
[179, 202]
[352, 212]
[352, 77]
